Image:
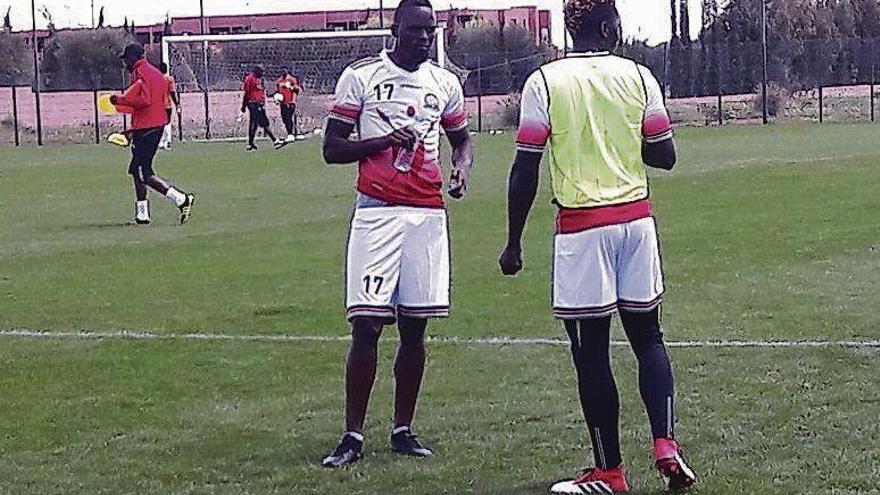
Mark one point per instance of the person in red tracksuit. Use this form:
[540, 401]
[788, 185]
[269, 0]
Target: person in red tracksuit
[145, 101]
[254, 101]
[288, 87]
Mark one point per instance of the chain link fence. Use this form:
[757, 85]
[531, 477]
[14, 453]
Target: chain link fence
[708, 82]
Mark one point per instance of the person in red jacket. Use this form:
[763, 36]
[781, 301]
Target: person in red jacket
[254, 101]
[288, 87]
[145, 101]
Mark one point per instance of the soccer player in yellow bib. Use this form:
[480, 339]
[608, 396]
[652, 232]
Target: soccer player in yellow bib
[602, 119]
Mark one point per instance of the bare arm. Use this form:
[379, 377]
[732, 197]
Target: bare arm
[338, 148]
[462, 161]
[660, 155]
[521, 191]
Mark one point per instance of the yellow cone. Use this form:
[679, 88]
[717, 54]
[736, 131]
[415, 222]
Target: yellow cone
[118, 139]
[105, 105]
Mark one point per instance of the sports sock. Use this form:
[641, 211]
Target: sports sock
[597, 388]
[166, 136]
[175, 196]
[142, 210]
[400, 429]
[356, 435]
[656, 383]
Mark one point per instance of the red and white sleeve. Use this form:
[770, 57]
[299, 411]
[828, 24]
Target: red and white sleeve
[534, 120]
[656, 126]
[349, 97]
[455, 117]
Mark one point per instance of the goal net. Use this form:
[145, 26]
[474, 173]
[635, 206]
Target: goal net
[211, 69]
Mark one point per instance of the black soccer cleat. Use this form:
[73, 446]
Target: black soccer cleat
[251, 147]
[405, 442]
[186, 208]
[349, 451]
[138, 221]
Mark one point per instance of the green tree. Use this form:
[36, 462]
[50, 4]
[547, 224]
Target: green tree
[15, 64]
[504, 56]
[84, 60]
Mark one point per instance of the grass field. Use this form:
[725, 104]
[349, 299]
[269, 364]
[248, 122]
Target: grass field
[768, 234]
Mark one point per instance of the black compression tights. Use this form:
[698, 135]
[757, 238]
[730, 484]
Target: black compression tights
[590, 341]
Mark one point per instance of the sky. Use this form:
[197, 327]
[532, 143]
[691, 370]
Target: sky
[642, 19]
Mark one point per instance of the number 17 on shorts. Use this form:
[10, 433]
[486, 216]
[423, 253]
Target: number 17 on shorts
[398, 263]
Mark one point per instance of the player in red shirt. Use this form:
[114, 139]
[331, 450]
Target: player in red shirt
[254, 102]
[145, 101]
[288, 87]
[172, 100]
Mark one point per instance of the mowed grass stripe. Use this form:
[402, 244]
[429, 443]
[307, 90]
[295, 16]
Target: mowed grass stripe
[91, 416]
[776, 250]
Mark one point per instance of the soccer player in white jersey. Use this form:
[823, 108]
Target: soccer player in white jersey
[603, 119]
[397, 265]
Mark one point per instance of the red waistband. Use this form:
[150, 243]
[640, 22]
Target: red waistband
[573, 220]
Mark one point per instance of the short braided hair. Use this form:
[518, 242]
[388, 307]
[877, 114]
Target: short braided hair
[578, 13]
[410, 3]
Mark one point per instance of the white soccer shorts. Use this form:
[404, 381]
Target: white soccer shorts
[597, 271]
[398, 263]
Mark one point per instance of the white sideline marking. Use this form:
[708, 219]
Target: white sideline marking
[499, 341]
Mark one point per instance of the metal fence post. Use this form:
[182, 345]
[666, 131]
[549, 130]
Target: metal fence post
[479, 94]
[97, 122]
[15, 115]
[718, 73]
[124, 115]
[873, 80]
[664, 85]
[36, 75]
[179, 125]
[207, 103]
[821, 103]
[764, 59]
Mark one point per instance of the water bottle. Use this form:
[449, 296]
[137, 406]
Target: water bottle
[405, 158]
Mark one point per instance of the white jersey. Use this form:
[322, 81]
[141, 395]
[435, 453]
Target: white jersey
[377, 96]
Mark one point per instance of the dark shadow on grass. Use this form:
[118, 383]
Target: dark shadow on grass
[532, 488]
[102, 226]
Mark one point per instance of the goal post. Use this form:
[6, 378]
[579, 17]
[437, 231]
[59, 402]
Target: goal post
[209, 70]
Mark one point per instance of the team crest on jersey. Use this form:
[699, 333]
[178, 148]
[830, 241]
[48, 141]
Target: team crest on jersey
[432, 102]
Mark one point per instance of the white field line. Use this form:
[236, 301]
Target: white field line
[492, 341]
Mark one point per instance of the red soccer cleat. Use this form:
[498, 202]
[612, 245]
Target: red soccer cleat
[594, 480]
[672, 466]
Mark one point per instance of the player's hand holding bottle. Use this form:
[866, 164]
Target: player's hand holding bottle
[405, 141]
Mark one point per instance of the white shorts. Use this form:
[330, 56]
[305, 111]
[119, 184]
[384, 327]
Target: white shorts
[597, 271]
[398, 262]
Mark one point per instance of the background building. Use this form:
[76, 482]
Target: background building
[537, 22]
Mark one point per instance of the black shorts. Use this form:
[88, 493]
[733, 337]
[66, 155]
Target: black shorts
[144, 144]
[258, 114]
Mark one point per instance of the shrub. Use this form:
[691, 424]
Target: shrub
[509, 109]
[84, 60]
[15, 64]
[777, 99]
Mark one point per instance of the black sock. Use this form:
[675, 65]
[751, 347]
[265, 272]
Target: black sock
[596, 387]
[655, 371]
